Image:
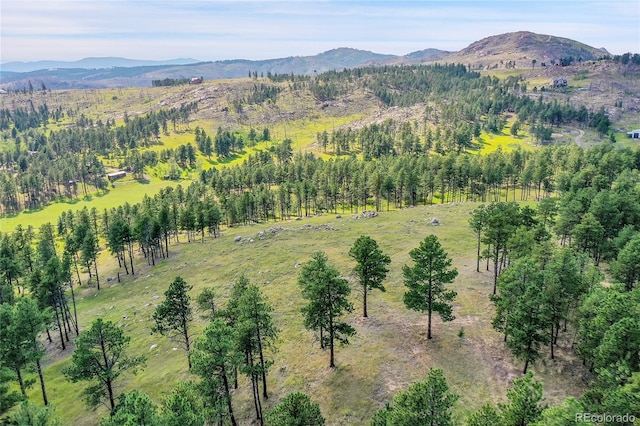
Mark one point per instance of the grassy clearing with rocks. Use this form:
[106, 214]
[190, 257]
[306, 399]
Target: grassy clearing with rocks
[389, 352]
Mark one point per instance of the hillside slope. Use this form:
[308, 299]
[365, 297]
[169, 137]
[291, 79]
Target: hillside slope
[492, 52]
[141, 76]
[523, 47]
[389, 352]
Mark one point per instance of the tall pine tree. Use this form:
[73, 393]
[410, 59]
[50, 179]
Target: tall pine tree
[426, 281]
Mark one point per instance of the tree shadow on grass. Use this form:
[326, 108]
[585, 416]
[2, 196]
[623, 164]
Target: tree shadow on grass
[478, 143]
[229, 159]
[143, 181]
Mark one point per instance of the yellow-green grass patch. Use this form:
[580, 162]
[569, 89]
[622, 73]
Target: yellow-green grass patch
[123, 191]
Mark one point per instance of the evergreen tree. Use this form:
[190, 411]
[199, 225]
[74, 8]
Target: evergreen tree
[327, 294]
[100, 357]
[183, 406]
[502, 220]
[206, 302]
[486, 415]
[29, 414]
[521, 311]
[256, 312]
[90, 250]
[133, 408]
[426, 281]
[622, 399]
[588, 236]
[477, 222]
[296, 409]
[425, 403]
[564, 414]
[31, 322]
[525, 402]
[9, 269]
[14, 349]
[8, 396]
[602, 308]
[173, 316]
[626, 267]
[214, 357]
[232, 313]
[371, 266]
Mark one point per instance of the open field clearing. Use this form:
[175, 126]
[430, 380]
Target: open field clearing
[389, 352]
[124, 191]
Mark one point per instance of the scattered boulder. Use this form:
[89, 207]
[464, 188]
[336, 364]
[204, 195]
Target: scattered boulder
[250, 240]
[435, 221]
[155, 298]
[237, 239]
[338, 216]
[366, 214]
[153, 347]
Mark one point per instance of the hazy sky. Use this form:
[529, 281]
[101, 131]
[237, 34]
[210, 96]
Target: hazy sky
[213, 30]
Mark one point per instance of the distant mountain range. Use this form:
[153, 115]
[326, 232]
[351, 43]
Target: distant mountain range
[520, 47]
[106, 62]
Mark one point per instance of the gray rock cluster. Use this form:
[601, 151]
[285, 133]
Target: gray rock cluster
[367, 214]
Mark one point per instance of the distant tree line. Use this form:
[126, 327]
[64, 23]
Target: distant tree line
[40, 167]
[169, 82]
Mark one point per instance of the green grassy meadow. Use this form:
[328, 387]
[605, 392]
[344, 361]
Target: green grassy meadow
[490, 142]
[389, 352]
[123, 191]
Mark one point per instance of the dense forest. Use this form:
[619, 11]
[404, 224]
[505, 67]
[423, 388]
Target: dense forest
[558, 227]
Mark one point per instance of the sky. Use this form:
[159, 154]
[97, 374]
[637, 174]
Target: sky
[32, 30]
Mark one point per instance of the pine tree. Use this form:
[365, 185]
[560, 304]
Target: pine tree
[327, 294]
[29, 414]
[100, 357]
[206, 302]
[371, 268]
[477, 222]
[14, 349]
[173, 315]
[30, 322]
[214, 357]
[626, 267]
[183, 406]
[133, 408]
[426, 281]
[9, 269]
[525, 402]
[8, 396]
[296, 409]
[255, 311]
[521, 311]
[486, 415]
[425, 403]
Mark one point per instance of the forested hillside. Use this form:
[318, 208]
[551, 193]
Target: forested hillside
[237, 289]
